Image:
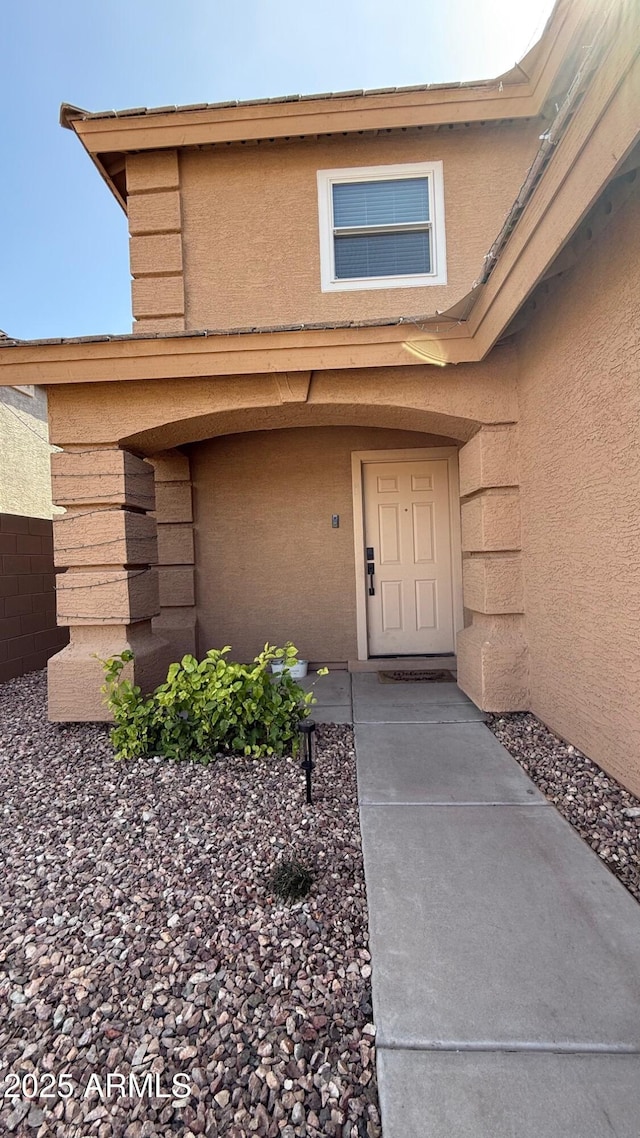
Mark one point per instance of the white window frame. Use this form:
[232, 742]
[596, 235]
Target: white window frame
[326, 181]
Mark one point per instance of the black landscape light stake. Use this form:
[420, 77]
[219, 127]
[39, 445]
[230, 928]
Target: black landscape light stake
[308, 750]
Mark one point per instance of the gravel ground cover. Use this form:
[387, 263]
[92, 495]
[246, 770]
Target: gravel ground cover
[139, 934]
[605, 814]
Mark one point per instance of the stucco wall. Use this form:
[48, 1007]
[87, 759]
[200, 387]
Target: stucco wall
[250, 222]
[268, 564]
[156, 414]
[580, 484]
[25, 479]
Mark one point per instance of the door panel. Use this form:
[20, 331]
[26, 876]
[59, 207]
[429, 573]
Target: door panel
[388, 485]
[407, 523]
[423, 539]
[391, 600]
[389, 528]
[426, 604]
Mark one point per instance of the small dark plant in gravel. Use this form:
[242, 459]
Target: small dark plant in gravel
[291, 880]
[208, 707]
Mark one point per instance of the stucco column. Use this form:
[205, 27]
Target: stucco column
[155, 225]
[108, 595]
[176, 622]
[492, 651]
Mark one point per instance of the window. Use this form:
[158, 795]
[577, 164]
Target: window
[382, 227]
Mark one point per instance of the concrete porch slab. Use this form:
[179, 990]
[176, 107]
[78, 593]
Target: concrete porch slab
[496, 927]
[419, 714]
[333, 693]
[404, 664]
[340, 713]
[368, 688]
[374, 702]
[448, 762]
[333, 690]
[517, 1095]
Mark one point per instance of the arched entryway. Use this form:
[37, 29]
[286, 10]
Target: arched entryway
[222, 510]
[276, 551]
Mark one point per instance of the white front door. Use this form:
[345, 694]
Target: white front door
[408, 543]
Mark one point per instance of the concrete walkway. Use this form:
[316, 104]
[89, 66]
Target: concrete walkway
[506, 957]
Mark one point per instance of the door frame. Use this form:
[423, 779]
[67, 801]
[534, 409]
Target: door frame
[358, 460]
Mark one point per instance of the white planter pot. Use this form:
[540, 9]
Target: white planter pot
[296, 671]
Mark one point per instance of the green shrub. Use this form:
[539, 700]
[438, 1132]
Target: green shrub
[208, 707]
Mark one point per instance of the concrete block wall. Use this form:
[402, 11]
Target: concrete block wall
[28, 631]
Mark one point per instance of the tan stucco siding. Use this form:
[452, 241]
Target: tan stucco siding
[157, 414]
[25, 478]
[580, 484]
[250, 222]
[269, 564]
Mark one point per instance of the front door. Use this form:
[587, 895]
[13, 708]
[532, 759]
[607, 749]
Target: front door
[408, 542]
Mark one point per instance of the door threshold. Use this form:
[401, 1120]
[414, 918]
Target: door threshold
[404, 664]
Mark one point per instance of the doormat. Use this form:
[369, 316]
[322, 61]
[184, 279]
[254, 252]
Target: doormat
[437, 677]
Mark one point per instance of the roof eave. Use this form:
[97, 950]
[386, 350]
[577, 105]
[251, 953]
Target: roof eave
[592, 150]
[522, 92]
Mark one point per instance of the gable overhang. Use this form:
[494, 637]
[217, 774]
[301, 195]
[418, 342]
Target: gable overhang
[525, 92]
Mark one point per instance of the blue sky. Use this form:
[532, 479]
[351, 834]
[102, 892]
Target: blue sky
[64, 259]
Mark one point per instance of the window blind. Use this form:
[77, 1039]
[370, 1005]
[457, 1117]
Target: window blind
[389, 202]
[383, 255]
